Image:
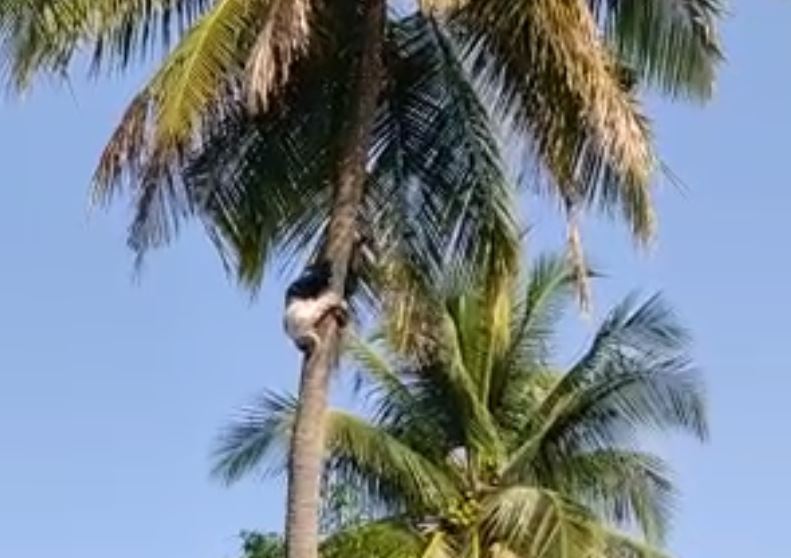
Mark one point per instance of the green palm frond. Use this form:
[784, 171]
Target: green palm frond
[549, 283]
[672, 44]
[421, 407]
[369, 457]
[402, 404]
[168, 115]
[261, 434]
[255, 179]
[405, 401]
[47, 35]
[617, 545]
[357, 451]
[628, 396]
[650, 329]
[631, 394]
[258, 186]
[626, 488]
[553, 468]
[635, 376]
[374, 366]
[539, 523]
[196, 86]
[378, 539]
[439, 546]
[555, 80]
[431, 147]
[458, 360]
[434, 149]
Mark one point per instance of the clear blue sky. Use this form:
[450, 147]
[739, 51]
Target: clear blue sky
[111, 390]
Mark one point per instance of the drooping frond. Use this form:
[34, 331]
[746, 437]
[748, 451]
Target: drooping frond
[255, 180]
[196, 85]
[380, 463]
[431, 146]
[625, 488]
[555, 79]
[259, 187]
[283, 38]
[258, 438]
[46, 35]
[357, 451]
[670, 43]
[199, 83]
[434, 148]
[417, 403]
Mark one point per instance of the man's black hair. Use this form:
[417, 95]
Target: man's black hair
[314, 280]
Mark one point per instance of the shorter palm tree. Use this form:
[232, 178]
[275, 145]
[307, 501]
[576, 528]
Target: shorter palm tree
[479, 446]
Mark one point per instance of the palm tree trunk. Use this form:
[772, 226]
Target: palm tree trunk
[307, 446]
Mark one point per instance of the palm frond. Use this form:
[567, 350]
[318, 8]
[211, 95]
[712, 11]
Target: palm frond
[434, 149]
[648, 328]
[458, 355]
[539, 523]
[668, 43]
[627, 396]
[625, 488]
[374, 366]
[358, 452]
[387, 538]
[635, 376]
[542, 523]
[618, 545]
[260, 435]
[438, 196]
[196, 86]
[46, 35]
[556, 81]
[280, 42]
[439, 546]
[382, 464]
[403, 404]
[256, 185]
[536, 311]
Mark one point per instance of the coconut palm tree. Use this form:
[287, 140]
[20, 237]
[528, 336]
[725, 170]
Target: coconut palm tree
[313, 96]
[480, 445]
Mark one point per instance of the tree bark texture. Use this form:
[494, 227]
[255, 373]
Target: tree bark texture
[307, 445]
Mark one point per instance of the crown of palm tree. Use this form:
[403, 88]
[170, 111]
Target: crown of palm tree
[480, 446]
[238, 124]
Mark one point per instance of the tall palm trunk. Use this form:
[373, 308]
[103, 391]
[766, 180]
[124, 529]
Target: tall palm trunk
[307, 446]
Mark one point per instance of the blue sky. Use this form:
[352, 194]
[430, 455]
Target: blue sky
[111, 389]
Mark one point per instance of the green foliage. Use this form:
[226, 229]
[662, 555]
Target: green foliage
[436, 188]
[239, 124]
[484, 448]
[257, 545]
